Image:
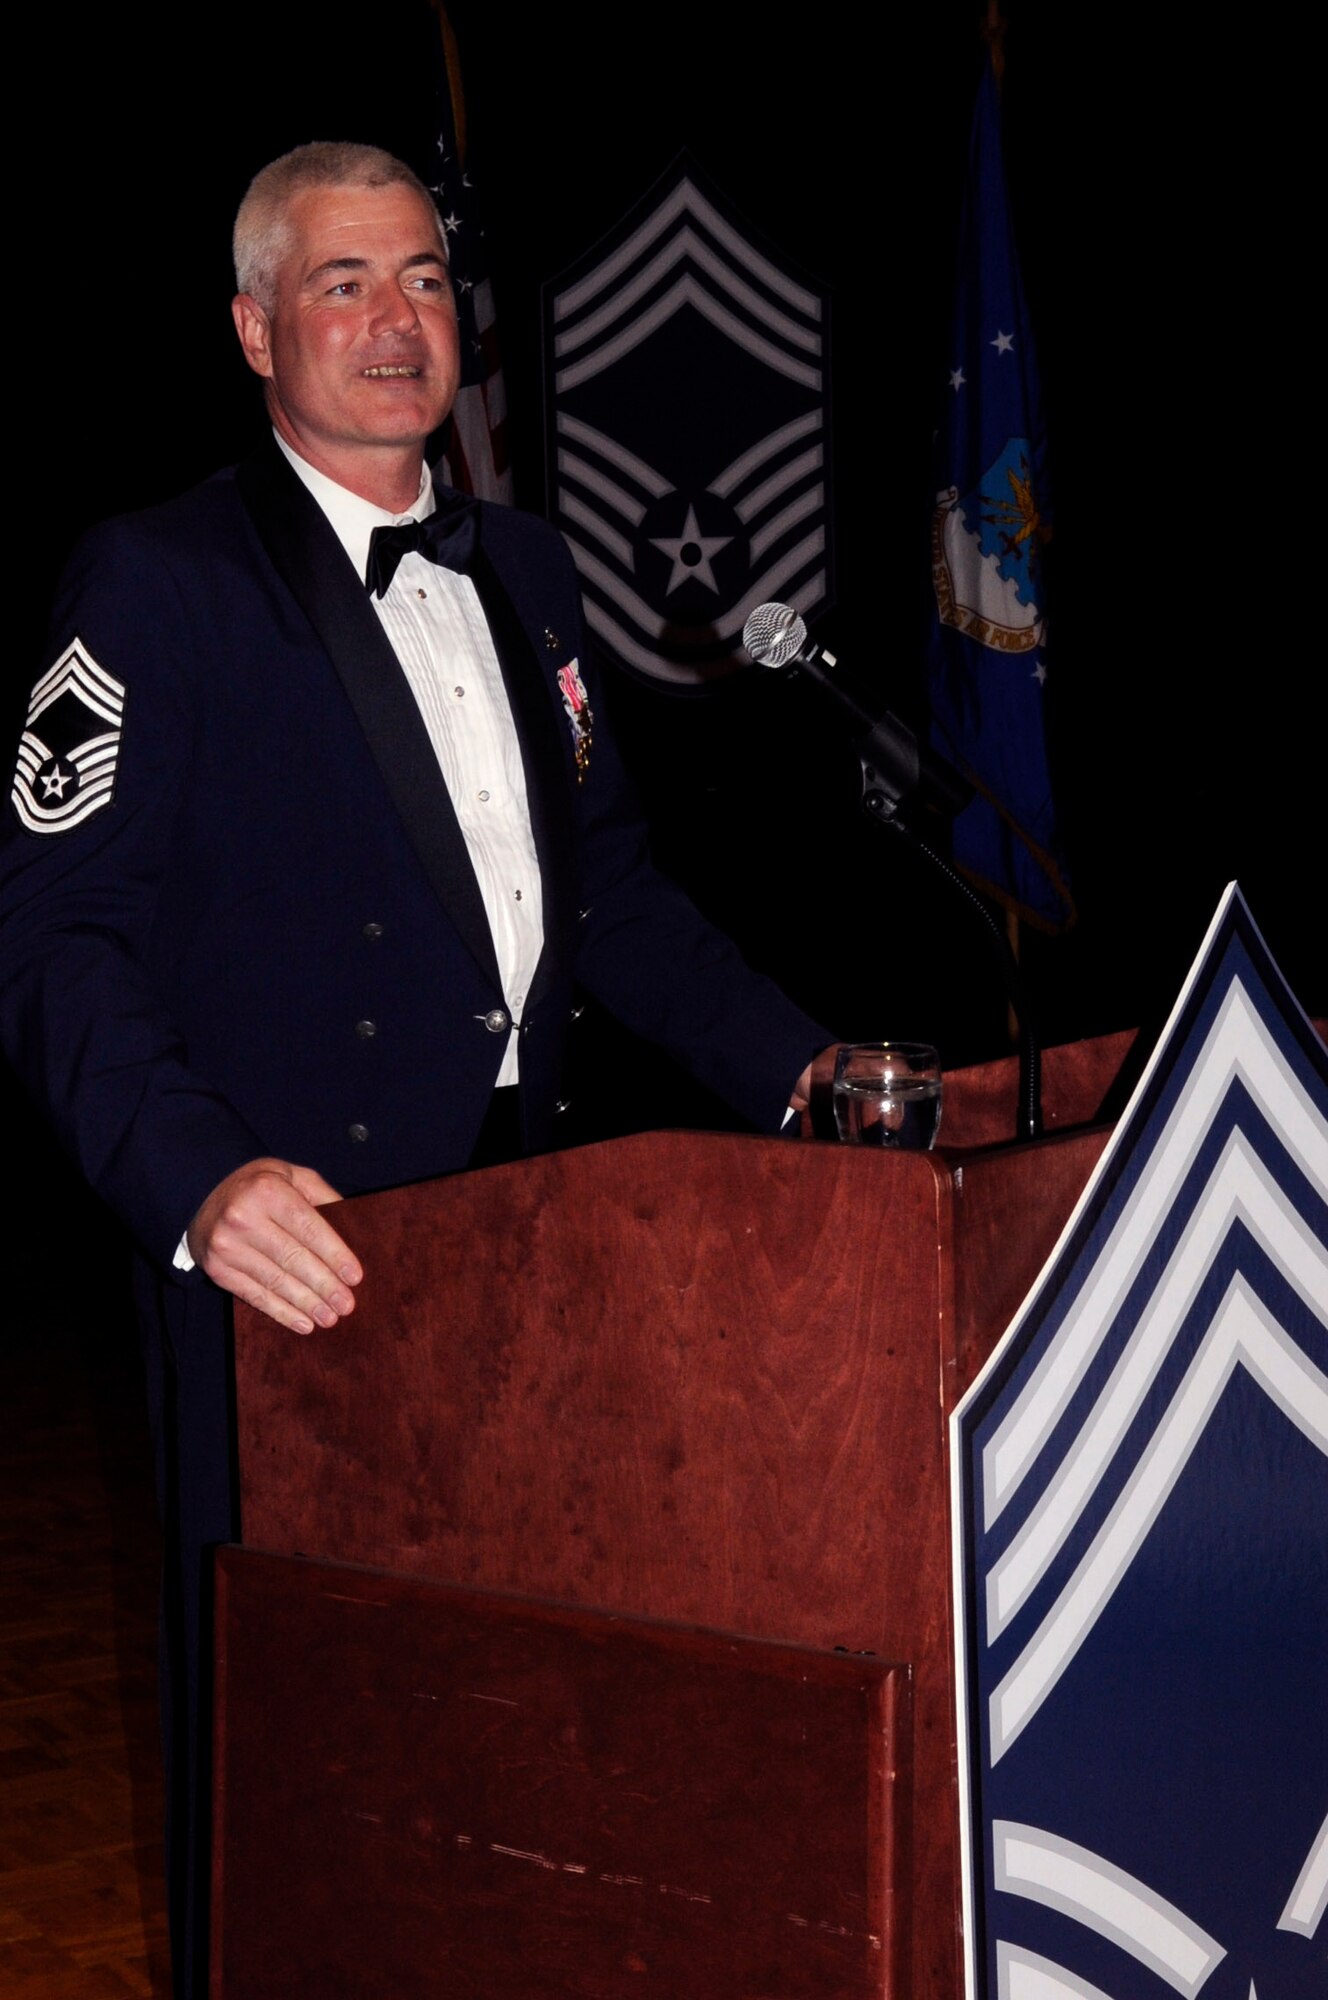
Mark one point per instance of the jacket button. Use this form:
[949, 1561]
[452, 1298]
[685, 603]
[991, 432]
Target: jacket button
[563, 1104]
[366, 1030]
[359, 1133]
[581, 915]
[497, 1020]
[373, 930]
[577, 1011]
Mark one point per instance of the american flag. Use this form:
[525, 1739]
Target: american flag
[475, 458]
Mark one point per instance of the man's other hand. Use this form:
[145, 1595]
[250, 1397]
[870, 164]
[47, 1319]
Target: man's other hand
[259, 1235]
[816, 1078]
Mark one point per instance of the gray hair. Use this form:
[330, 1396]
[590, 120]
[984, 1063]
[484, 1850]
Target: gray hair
[262, 223]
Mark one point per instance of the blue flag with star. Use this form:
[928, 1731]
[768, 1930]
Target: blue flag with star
[990, 522]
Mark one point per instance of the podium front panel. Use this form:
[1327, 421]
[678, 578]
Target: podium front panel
[437, 1791]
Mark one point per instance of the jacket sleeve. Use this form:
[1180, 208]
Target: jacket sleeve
[649, 955]
[83, 1019]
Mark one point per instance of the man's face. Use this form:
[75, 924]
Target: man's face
[360, 353]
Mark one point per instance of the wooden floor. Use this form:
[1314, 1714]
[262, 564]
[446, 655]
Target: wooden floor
[82, 1910]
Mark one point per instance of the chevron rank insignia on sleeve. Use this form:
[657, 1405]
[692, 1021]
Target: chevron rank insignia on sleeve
[68, 752]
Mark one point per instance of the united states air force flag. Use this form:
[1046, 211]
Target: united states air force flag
[688, 447]
[1141, 1558]
[990, 522]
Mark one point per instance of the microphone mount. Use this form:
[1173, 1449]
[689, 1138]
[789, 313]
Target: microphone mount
[898, 771]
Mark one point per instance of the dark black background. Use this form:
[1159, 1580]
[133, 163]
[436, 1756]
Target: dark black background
[1162, 187]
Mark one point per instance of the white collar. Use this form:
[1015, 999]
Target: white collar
[353, 519]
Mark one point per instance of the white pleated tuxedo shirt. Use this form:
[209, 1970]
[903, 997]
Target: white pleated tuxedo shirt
[437, 629]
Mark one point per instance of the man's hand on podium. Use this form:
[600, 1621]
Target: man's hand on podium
[259, 1235]
[814, 1083]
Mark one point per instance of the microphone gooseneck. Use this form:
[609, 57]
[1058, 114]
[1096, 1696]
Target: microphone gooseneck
[897, 769]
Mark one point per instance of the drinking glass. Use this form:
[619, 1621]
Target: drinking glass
[888, 1094]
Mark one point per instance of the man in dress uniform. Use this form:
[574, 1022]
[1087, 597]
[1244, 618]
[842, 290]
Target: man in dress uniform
[314, 825]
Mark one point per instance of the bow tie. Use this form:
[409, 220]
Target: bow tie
[447, 538]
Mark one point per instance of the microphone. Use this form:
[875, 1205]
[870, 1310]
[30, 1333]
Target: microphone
[896, 767]
[775, 636]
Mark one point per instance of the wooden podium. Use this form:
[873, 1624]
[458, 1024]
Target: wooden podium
[592, 1631]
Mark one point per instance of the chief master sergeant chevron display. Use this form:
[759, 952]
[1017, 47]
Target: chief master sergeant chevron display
[1141, 1519]
[297, 878]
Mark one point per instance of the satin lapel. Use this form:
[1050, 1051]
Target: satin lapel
[311, 561]
[544, 757]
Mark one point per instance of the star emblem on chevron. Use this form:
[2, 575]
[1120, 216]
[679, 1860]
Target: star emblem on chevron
[691, 554]
[1141, 1495]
